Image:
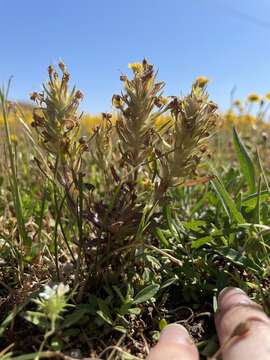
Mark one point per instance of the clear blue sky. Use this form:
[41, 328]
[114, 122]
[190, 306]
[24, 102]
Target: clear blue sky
[226, 40]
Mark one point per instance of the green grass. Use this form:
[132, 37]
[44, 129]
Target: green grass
[118, 219]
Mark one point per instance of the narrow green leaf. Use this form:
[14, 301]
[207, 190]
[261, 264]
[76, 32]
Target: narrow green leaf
[200, 203]
[251, 200]
[154, 262]
[261, 168]
[195, 225]
[169, 282]
[227, 201]
[118, 292]
[215, 303]
[104, 311]
[160, 234]
[134, 311]
[74, 317]
[11, 316]
[162, 324]
[237, 258]
[168, 216]
[13, 179]
[120, 328]
[257, 217]
[146, 294]
[196, 244]
[245, 161]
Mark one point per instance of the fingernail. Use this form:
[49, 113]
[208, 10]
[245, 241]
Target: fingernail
[228, 289]
[230, 297]
[176, 334]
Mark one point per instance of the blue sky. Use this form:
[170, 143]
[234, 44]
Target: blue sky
[226, 40]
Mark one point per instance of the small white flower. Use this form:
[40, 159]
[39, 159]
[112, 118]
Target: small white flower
[47, 293]
[52, 300]
[61, 289]
[58, 289]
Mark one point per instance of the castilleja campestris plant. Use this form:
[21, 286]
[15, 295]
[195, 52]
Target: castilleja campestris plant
[123, 156]
[185, 143]
[56, 121]
[139, 107]
[176, 147]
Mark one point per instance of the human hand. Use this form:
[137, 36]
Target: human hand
[242, 327]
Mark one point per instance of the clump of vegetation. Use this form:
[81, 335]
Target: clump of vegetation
[130, 226]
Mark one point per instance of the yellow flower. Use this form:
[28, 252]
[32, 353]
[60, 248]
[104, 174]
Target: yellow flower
[14, 139]
[247, 119]
[267, 96]
[237, 102]
[164, 100]
[201, 81]
[231, 116]
[117, 101]
[253, 98]
[147, 184]
[161, 101]
[90, 122]
[162, 121]
[136, 67]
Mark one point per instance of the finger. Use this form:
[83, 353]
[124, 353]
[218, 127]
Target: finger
[251, 340]
[174, 344]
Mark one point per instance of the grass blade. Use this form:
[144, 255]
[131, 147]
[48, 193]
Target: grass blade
[227, 201]
[245, 161]
[13, 174]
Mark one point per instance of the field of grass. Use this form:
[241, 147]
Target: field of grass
[112, 227]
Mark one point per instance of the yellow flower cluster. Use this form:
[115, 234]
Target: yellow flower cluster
[136, 67]
[90, 122]
[253, 98]
[267, 96]
[201, 81]
[231, 118]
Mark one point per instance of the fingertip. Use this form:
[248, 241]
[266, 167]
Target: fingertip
[230, 290]
[242, 326]
[174, 343]
[232, 296]
[175, 333]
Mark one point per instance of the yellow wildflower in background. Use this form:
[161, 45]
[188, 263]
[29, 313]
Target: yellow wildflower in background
[14, 139]
[253, 98]
[237, 102]
[267, 96]
[247, 119]
[231, 116]
[90, 122]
